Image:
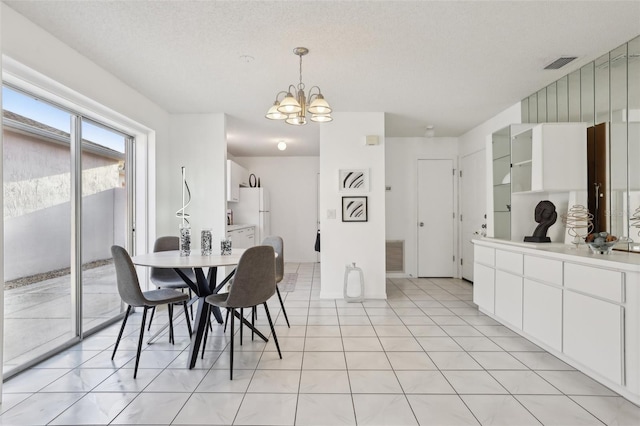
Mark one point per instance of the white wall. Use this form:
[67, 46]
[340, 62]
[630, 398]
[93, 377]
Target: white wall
[401, 162]
[293, 187]
[198, 142]
[342, 147]
[1, 236]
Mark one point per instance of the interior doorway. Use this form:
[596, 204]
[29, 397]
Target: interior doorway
[435, 218]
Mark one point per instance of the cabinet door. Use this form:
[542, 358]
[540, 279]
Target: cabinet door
[233, 184]
[250, 237]
[593, 334]
[483, 287]
[542, 313]
[509, 298]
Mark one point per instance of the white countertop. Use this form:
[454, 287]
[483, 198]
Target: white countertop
[617, 259]
[239, 226]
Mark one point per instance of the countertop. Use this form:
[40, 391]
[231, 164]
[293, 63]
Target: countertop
[618, 259]
[239, 226]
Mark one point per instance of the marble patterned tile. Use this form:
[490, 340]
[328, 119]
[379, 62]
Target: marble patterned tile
[312, 410]
[383, 410]
[372, 381]
[424, 382]
[367, 361]
[325, 381]
[499, 410]
[209, 409]
[474, 382]
[557, 410]
[441, 410]
[95, 408]
[267, 409]
[611, 410]
[575, 383]
[49, 406]
[166, 406]
[523, 382]
[275, 381]
[410, 361]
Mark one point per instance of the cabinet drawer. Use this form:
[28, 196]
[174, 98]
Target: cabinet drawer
[541, 269]
[484, 255]
[603, 283]
[508, 261]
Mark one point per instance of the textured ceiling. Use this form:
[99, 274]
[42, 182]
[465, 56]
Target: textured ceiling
[452, 64]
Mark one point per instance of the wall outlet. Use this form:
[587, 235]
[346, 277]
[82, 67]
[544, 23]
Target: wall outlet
[331, 213]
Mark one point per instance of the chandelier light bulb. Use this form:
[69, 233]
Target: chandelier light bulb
[282, 145]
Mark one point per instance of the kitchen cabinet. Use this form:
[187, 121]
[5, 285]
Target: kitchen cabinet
[582, 308]
[237, 177]
[243, 237]
[539, 158]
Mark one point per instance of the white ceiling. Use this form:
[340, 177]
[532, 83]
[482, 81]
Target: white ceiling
[452, 64]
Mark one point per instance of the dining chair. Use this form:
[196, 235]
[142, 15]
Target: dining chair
[166, 277]
[278, 246]
[253, 284]
[134, 297]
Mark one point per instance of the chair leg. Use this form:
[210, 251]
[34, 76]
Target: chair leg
[253, 321]
[170, 310]
[186, 318]
[226, 319]
[144, 319]
[124, 321]
[233, 315]
[273, 330]
[282, 305]
[151, 319]
[241, 327]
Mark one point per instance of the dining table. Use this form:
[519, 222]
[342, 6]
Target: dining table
[204, 286]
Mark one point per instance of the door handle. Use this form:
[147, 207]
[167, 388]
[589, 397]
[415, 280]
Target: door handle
[421, 224]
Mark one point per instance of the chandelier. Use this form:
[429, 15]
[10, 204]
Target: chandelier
[294, 109]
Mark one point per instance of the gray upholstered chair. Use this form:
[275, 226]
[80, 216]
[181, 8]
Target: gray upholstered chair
[134, 297]
[278, 247]
[253, 284]
[167, 277]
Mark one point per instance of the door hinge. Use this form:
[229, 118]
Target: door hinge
[454, 215]
[460, 173]
[460, 261]
[460, 217]
[453, 172]
[454, 258]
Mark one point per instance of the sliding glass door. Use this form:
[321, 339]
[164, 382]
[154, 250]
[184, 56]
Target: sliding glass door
[66, 202]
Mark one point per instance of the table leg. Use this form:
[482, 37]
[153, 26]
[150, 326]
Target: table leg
[199, 327]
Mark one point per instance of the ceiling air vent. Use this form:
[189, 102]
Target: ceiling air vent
[560, 62]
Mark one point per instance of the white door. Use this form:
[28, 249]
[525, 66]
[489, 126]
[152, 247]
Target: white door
[435, 218]
[473, 215]
[472, 206]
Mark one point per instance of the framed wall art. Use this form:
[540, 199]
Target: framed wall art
[353, 180]
[354, 209]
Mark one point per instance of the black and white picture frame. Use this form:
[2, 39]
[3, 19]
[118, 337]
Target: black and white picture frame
[353, 180]
[354, 209]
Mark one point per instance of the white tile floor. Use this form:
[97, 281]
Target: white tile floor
[423, 356]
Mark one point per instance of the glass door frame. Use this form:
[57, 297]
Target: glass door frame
[76, 289]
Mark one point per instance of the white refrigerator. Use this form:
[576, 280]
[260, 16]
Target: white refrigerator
[252, 208]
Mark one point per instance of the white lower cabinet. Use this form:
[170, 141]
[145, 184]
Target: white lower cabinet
[542, 313]
[593, 334]
[509, 298]
[242, 238]
[483, 287]
[582, 308]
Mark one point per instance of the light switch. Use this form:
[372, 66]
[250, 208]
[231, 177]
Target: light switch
[331, 213]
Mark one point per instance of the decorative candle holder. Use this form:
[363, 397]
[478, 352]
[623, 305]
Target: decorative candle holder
[185, 240]
[225, 246]
[205, 242]
[579, 223]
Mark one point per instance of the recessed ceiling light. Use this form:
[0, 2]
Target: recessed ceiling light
[247, 58]
[282, 145]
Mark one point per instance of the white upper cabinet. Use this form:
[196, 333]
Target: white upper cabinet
[237, 176]
[549, 157]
